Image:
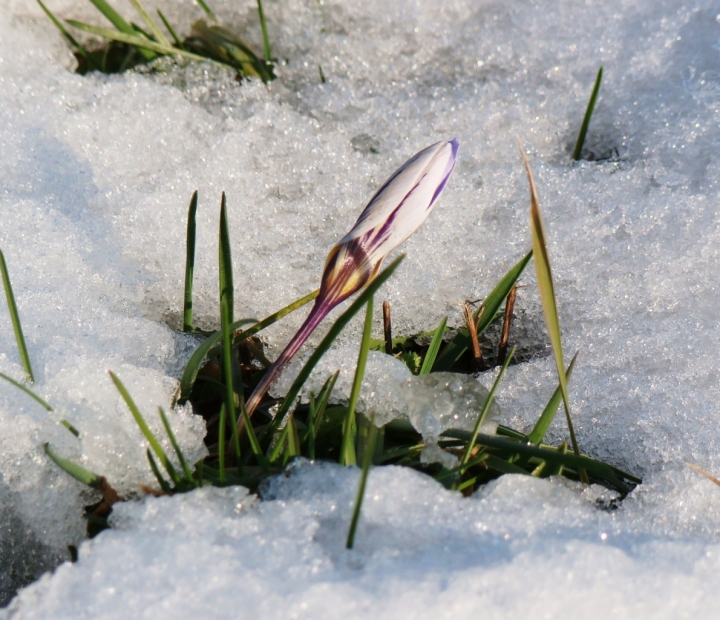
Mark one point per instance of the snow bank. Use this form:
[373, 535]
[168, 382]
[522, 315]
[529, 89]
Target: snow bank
[95, 176]
[521, 547]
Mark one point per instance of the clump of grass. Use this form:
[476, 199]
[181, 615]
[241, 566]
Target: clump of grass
[128, 44]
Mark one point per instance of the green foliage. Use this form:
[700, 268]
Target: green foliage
[127, 44]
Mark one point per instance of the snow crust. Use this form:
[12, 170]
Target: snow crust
[522, 547]
[95, 176]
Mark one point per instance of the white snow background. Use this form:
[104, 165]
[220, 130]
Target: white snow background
[95, 176]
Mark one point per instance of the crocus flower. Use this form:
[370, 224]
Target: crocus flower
[396, 211]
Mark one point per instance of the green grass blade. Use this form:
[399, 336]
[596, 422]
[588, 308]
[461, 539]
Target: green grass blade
[317, 412]
[279, 445]
[330, 337]
[206, 9]
[434, 348]
[113, 16]
[588, 115]
[571, 460]
[503, 466]
[170, 29]
[543, 424]
[190, 263]
[206, 348]
[462, 467]
[293, 441]
[27, 391]
[156, 471]
[554, 469]
[141, 43]
[347, 452]
[367, 461]
[263, 27]
[15, 319]
[225, 279]
[150, 23]
[547, 295]
[116, 20]
[485, 409]
[80, 48]
[252, 437]
[458, 345]
[144, 428]
[176, 446]
[221, 442]
[76, 471]
[226, 269]
[70, 427]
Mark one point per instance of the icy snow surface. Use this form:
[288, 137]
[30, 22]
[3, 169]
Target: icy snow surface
[95, 176]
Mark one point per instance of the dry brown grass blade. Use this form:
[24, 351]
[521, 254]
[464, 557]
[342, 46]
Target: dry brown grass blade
[708, 475]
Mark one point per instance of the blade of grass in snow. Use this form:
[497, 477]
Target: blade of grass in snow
[462, 467]
[15, 319]
[83, 52]
[317, 412]
[543, 424]
[588, 115]
[347, 451]
[206, 9]
[263, 27]
[70, 427]
[458, 345]
[190, 263]
[485, 409]
[221, 442]
[141, 43]
[140, 421]
[699, 470]
[329, 338]
[226, 274]
[176, 446]
[76, 471]
[116, 20]
[547, 296]
[156, 471]
[226, 47]
[205, 349]
[225, 278]
[172, 32]
[293, 440]
[433, 348]
[545, 470]
[254, 443]
[367, 461]
[27, 391]
[154, 28]
[571, 460]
